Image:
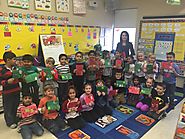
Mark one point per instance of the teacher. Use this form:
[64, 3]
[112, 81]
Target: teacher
[124, 46]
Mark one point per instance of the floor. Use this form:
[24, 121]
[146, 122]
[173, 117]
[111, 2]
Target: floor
[165, 129]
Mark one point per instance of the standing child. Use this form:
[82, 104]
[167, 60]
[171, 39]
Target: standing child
[30, 76]
[118, 62]
[107, 70]
[50, 76]
[72, 107]
[78, 69]
[170, 72]
[139, 67]
[11, 90]
[64, 77]
[49, 107]
[146, 89]
[87, 100]
[158, 94]
[27, 112]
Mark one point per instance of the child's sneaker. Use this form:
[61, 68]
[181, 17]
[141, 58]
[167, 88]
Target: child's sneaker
[13, 126]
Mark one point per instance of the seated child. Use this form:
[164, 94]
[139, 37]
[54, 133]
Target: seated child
[102, 99]
[157, 110]
[133, 92]
[72, 107]
[87, 100]
[28, 124]
[49, 107]
[146, 89]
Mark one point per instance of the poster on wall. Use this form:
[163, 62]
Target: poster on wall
[62, 6]
[43, 5]
[52, 46]
[24, 4]
[79, 7]
[164, 43]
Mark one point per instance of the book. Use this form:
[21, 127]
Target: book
[49, 75]
[134, 90]
[145, 120]
[105, 121]
[118, 63]
[29, 111]
[78, 134]
[149, 68]
[108, 63]
[31, 77]
[138, 68]
[124, 109]
[53, 105]
[146, 91]
[120, 83]
[154, 105]
[66, 76]
[180, 131]
[167, 65]
[79, 70]
[127, 132]
[102, 89]
[88, 99]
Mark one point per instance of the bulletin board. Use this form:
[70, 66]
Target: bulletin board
[22, 38]
[149, 28]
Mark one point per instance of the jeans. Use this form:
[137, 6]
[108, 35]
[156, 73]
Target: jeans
[170, 92]
[27, 130]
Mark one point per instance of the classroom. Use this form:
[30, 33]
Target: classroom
[92, 69]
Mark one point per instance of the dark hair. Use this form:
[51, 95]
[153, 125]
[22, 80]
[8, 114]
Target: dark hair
[50, 59]
[171, 53]
[8, 55]
[27, 95]
[71, 87]
[135, 77]
[48, 86]
[79, 53]
[162, 85]
[100, 81]
[118, 71]
[126, 34]
[130, 56]
[61, 55]
[87, 84]
[28, 57]
[91, 52]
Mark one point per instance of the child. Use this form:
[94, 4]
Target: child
[169, 77]
[102, 99]
[158, 94]
[133, 92]
[87, 100]
[78, 69]
[11, 90]
[72, 107]
[151, 67]
[46, 79]
[145, 102]
[107, 70]
[118, 62]
[27, 113]
[99, 61]
[119, 87]
[129, 69]
[64, 77]
[139, 67]
[49, 107]
[30, 75]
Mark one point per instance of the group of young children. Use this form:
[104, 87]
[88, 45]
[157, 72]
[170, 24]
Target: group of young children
[83, 90]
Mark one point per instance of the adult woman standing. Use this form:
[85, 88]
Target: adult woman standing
[124, 46]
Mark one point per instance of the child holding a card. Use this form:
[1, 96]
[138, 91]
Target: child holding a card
[30, 77]
[170, 71]
[78, 70]
[49, 75]
[146, 89]
[139, 67]
[158, 94]
[72, 107]
[118, 62]
[27, 112]
[107, 63]
[151, 67]
[87, 100]
[11, 90]
[63, 77]
[49, 107]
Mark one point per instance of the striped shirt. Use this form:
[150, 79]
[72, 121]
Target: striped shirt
[62, 70]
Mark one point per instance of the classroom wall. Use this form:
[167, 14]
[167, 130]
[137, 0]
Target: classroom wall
[95, 17]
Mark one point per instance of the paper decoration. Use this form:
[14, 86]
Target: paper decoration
[62, 6]
[73, 104]
[89, 99]
[180, 130]
[146, 91]
[108, 63]
[53, 105]
[149, 68]
[29, 111]
[31, 77]
[127, 67]
[78, 134]
[145, 120]
[105, 121]
[112, 93]
[24, 4]
[102, 89]
[118, 63]
[49, 75]
[17, 73]
[134, 90]
[127, 132]
[138, 68]
[43, 5]
[66, 76]
[124, 109]
[167, 65]
[154, 105]
[79, 6]
[79, 70]
[120, 83]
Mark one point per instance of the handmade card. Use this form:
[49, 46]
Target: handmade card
[108, 63]
[167, 65]
[17, 73]
[120, 83]
[89, 99]
[105, 121]
[145, 120]
[31, 77]
[49, 75]
[146, 91]
[66, 76]
[112, 93]
[73, 104]
[79, 70]
[134, 90]
[154, 105]
[149, 68]
[78, 134]
[127, 67]
[102, 89]
[127, 132]
[124, 109]
[182, 118]
[29, 111]
[138, 68]
[92, 62]
[53, 105]
[118, 63]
